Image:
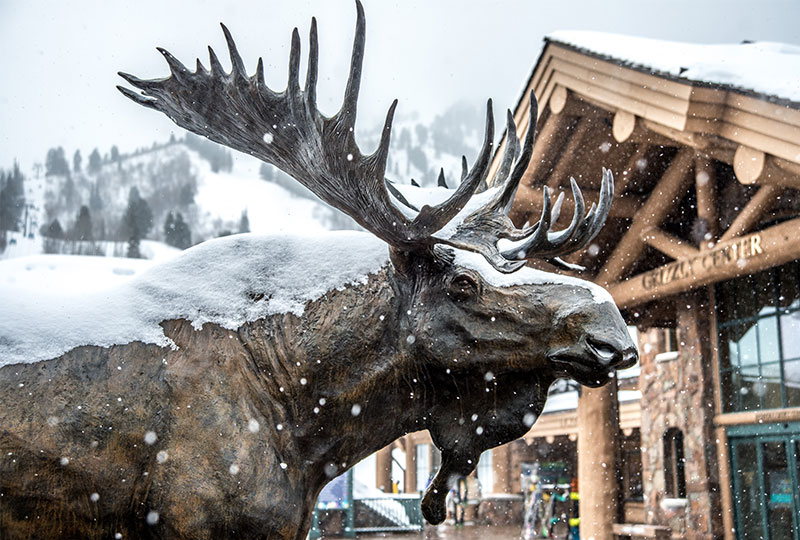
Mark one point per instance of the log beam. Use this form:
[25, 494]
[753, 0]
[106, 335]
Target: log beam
[623, 125]
[755, 167]
[756, 207]
[706, 190]
[547, 142]
[668, 244]
[709, 145]
[568, 155]
[744, 255]
[528, 204]
[658, 205]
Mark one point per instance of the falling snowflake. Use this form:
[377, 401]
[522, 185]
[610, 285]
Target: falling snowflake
[150, 437]
[253, 426]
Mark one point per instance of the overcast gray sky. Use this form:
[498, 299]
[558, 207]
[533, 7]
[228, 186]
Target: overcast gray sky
[58, 60]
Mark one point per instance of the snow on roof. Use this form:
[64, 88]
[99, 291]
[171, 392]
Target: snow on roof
[215, 281]
[763, 67]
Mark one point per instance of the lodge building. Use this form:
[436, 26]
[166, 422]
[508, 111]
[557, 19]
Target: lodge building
[701, 252]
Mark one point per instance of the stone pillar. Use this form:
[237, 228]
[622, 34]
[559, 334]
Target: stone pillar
[677, 392]
[383, 469]
[598, 428]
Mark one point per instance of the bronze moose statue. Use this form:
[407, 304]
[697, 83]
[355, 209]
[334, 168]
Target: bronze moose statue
[231, 425]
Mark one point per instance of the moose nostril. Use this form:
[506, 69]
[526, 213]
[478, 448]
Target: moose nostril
[629, 358]
[605, 352]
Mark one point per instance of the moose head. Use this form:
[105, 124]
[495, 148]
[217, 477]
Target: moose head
[457, 307]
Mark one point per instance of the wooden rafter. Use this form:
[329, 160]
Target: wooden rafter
[547, 142]
[756, 167]
[622, 179]
[706, 189]
[658, 205]
[568, 155]
[668, 244]
[761, 202]
[528, 204]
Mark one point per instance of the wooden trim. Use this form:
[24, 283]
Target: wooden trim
[771, 247]
[752, 212]
[659, 203]
[791, 414]
[667, 244]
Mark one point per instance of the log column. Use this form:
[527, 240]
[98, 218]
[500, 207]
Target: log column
[598, 428]
[383, 469]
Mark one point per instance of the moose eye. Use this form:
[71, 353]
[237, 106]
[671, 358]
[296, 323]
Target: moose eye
[463, 286]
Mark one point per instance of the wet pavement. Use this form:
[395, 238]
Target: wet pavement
[449, 532]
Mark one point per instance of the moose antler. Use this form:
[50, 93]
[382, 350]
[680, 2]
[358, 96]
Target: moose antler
[287, 130]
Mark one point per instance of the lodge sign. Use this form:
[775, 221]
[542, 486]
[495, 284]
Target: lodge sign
[730, 253]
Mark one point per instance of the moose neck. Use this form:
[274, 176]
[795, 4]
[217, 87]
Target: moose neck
[338, 377]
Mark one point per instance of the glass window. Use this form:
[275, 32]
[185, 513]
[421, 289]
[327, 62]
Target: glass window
[758, 321]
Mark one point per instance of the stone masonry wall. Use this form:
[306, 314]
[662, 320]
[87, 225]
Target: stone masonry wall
[679, 393]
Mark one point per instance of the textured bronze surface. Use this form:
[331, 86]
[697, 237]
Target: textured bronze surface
[234, 433]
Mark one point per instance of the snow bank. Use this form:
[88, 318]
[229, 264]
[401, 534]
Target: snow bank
[116, 301]
[764, 67]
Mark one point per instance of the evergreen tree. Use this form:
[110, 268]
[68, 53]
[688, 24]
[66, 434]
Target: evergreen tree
[77, 161]
[133, 247]
[176, 231]
[169, 229]
[83, 225]
[95, 201]
[114, 153]
[69, 194]
[244, 223]
[183, 235]
[53, 235]
[54, 230]
[12, 199]
[56, 163]
[138, 216]
[95, 162]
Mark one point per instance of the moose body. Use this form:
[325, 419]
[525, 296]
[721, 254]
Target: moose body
[231, 401]
[250, 423]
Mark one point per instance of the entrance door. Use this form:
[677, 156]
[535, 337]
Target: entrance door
[765, 470]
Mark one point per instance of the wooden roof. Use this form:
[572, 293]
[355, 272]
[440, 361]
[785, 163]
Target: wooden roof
[698, 167]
